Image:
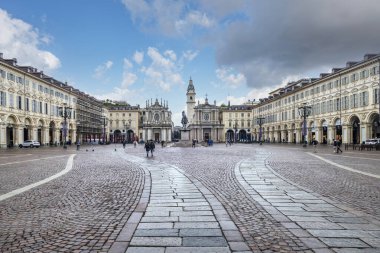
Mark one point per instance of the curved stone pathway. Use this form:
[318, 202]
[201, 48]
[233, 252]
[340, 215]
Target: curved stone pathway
[181, 216]
[323, 225]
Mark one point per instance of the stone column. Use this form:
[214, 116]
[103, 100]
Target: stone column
[3, 135]
[150, 130]
[56, 137]
[19, 134]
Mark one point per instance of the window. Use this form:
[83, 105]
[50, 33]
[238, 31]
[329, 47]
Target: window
[345, 103]
[330, 106]
[374, 70]
[19, 103]
[323, 87]
[11, 77]
[3, 98]
[354, 101]
[46, 109]
[354, 77]
[19, 80]
[2, 73]
[376, 96]
[363, 98]
[242, 115]
[27, 104]
[33, 105]
[364, 74]
[11, 102]
[337, 104]
[40, 107]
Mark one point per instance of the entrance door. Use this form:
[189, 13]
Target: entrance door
[157, 137]
[207, 136]
[10, 140]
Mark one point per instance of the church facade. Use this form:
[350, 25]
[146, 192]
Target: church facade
[156, 122]
[205, 120]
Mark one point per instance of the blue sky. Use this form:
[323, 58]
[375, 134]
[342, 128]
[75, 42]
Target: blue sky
[233, 50]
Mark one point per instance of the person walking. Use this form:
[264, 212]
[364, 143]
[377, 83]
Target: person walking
[315, 143]
[124, 142]
[147, 148]
[338, 143]
[335, 145]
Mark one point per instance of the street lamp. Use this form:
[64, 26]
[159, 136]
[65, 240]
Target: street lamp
[130, 127]
[260, 122]
[235, 127]
[65, 112]
[304, 111]
[104, 118]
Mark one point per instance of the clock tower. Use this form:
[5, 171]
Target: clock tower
[190, 102]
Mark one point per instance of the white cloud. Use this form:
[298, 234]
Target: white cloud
[227, 77]
[163, 71]
[102, 69]
[22, 41]
[190, 55]
[129, 77]
[194, 18]
[170, 18]
[138, 57]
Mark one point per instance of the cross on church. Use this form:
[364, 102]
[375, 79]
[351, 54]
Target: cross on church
[206, 95]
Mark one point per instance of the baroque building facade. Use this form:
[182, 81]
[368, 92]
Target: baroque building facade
[344, 105]
[156, 121]
[123, 123]
[205, 122]
[30, 103]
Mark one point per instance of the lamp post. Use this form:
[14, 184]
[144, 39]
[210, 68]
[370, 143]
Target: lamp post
[260, 122]
[130, 127]
[65, 112]
[235, 127]
[104, 118]
[304, 111]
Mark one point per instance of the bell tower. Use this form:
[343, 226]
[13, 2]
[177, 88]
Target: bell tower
[190, 102]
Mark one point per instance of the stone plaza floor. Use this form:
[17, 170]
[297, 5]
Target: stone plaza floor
[240, 198]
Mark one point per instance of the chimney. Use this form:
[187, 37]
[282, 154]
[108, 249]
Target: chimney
[350, 64]
[369, 56]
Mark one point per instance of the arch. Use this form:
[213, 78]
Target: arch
[354, 122]
[12, 119]
[373, 119]
[130, 136]
[243, 136]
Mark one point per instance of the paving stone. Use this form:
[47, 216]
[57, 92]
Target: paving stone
[196, 225]
[344, 242]
[157, 232]
[156, 241]
[145, 250]
[184, 232]
[318, 225]
[204, 241]
[197, 250]
[239, 246]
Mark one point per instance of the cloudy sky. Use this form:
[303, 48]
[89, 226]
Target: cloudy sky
[233, 50]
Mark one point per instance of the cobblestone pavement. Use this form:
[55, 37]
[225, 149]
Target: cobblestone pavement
[271, 198]
[355, 190]
[83, 210]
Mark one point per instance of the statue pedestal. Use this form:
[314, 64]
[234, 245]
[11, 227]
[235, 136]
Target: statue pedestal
[185, 134]
[185, 141]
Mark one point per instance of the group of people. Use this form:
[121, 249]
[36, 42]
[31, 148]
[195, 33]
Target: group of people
[149, 146]
[336, 145]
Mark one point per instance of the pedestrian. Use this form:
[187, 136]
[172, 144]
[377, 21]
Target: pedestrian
[193, 143]
[147, 148]
[338, 147]
[315, 143]
[124, 142]
[152, 147]
[335, 145]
